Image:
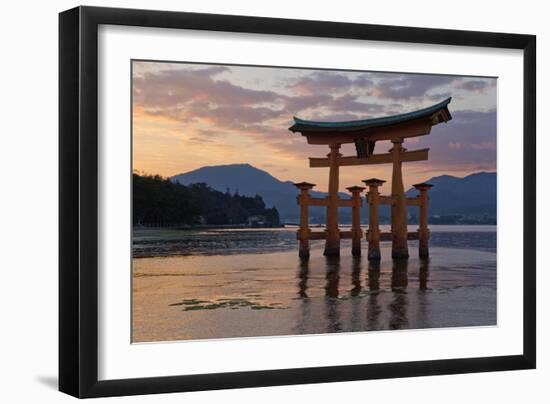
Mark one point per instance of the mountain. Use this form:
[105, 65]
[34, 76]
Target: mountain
[475, 194]
[244, 178]
[250, 181]
[471, 196]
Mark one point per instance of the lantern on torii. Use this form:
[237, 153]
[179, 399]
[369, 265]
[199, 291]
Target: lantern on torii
[364, 134]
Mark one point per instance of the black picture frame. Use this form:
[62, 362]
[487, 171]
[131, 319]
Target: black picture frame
[78, 200]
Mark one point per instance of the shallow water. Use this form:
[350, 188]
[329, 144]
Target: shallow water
[243, 294]
[158, 242]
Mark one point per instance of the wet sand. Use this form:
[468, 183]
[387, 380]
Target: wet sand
[246, 295]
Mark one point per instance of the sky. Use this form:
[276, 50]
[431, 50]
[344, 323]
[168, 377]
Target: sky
[186, 116]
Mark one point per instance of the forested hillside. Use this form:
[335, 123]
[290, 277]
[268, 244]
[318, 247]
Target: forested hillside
[157, 201]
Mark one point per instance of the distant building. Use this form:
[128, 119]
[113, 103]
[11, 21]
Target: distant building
[257, 220]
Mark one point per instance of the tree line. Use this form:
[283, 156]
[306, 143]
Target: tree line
[157, 201]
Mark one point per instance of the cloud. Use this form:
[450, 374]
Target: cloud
[434, 87]
[326, 82]
[169, 88]
[208, 106]
[196, 95]
[351, 103]
[321, 82]
[468, 140]
[296, 104]
[475, 85]
[435, 97]
[405, 87]
[484, 146]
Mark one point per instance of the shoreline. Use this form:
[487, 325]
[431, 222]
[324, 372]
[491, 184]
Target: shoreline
[158, 242]
[290, 226]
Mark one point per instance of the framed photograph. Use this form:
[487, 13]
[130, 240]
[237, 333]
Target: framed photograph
[251, 201]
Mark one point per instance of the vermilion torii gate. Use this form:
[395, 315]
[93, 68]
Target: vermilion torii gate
[364, 134]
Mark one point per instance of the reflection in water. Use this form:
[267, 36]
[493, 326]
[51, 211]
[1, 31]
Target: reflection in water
[305, 307]
[355, 276]
[398, 311]
[398, 305]
[332, 276]
[373, 307]
[356, 301]
[374, 275]
[423, 308]
[423, 273]
[384, 304]
[331, 292]
[399, 274]
[303, 273]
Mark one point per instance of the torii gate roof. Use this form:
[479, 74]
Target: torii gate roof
[437, 113]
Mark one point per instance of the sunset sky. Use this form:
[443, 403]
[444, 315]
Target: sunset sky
[187, 116]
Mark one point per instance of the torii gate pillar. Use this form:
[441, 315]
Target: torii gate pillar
[332, 244]
[373, 233]
[304, 231]
[423, 231]
[356, 233]
[400, 248]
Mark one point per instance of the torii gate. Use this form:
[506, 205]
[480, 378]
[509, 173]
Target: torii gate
[365, 133]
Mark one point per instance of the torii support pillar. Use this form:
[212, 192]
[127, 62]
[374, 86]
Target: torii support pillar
[373, 233]
[304, 230]
[356, 232]
[399, 247]
[332, 245]
[423, 231]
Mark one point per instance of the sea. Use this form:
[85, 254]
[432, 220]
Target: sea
[192, 284]
[160, 242]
